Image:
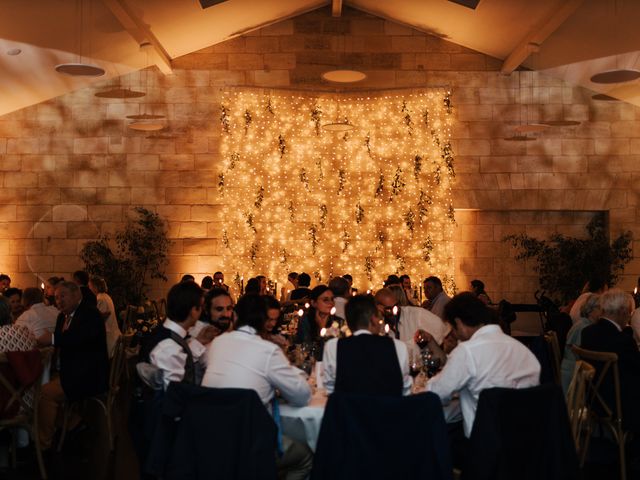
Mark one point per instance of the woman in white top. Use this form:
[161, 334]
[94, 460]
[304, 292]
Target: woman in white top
[108, 311]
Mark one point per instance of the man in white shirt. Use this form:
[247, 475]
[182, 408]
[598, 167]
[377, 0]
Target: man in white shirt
[390, 376]
[243, 359]
[167, 350]
[436, 297]
[484, 358]
[410, 319]
[341, 293]
[37, 317]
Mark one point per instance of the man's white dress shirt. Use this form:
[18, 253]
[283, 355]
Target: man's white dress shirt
[415, 318]
[105, 304]
[242, 359]
[488, 359]
[330, 363]
[40, 318]
[170, 358]
[438, 304]
[340, 304]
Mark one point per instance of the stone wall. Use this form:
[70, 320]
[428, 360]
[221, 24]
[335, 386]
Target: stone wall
[70, 169]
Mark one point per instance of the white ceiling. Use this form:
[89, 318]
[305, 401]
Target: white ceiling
[598, 35]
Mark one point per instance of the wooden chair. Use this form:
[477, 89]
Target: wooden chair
[583, 375]
[105, 401]
[551, 340]
[27, 416]
[599, 410]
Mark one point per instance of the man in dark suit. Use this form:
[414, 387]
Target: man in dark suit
[607, 335]
[81, 278]
[81, 346]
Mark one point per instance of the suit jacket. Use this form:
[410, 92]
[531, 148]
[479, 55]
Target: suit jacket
[82, 350]
[603, 336]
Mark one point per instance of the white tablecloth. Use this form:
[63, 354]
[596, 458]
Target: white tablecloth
[303, 423]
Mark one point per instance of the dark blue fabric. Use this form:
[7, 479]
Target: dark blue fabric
[521, 434]
[211, 433]
[368, 365]
[376, 438]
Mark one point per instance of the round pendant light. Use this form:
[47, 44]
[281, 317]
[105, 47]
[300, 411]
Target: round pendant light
[145, 116]
[145, 126]
[344, 76]
[603, 97]
[120, 93]
[616, 76]
[80, 69]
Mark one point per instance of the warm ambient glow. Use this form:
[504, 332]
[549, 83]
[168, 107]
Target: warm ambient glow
[372, 201]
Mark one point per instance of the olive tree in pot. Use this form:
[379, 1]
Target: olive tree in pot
[565, 264]
[137, 254]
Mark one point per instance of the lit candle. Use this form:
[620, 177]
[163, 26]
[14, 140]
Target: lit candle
[42, 286]
[333, 310]
[306, 305]
[635, 290]
[300, 312]
[386, 329]
[395, 310]
[353, 294]
[323, 332]
[368, 292]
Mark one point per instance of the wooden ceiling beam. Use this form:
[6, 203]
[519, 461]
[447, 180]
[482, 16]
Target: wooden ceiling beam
[140, 33]
[336, 8]
[531, 43]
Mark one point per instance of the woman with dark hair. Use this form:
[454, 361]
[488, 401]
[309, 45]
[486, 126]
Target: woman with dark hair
[253, 287]
[50, 290]
[477, 287]
[274, 317]
[319, 315]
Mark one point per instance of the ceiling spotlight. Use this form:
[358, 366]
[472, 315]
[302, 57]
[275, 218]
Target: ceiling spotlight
[146, 126]
[616, 76]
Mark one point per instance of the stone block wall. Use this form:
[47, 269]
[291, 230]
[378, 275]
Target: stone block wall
[71, 170]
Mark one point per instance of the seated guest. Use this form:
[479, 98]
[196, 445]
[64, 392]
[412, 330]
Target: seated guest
[50, 290]
[81, 345]
[392, 280]
[14, 297]
[405, 282]
[242, 359]
[341, 293]
[207, 283]
[366, 362]
[252, 287]
[187, 277]
[292, 278]
[274, 316]
[595, 285]
[81, 278]
[477, 287]
[5, 283]
[436, 297]
[318, 315]
[606, 335]
[218, 281]
[484, 358]
[98, 286]
[262, 281]
[408, 319]
[217, 313]
[14, 337]
[589, 313]
[173, 358]
[37, 317]
[302, 291]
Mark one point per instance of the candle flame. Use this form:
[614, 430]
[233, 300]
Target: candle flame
[395, 309]
[300, 312]
[333, 310]
[635, 290]
[386, 328]
[323, 332]
[42, 285]
[306, 305]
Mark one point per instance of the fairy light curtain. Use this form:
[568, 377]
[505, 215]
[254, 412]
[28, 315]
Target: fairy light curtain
[371, 201]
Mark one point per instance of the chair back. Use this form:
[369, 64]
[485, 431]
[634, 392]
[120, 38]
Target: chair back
[583, 375]
[608, 363]
[553, 347]
[521, 433]
[379, 437]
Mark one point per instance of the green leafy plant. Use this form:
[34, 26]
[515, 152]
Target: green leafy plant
[137, 254]
[565, 264]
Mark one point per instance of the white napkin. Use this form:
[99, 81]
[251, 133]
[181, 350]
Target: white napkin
[319, 376]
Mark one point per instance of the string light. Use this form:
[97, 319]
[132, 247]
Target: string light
[369, 202]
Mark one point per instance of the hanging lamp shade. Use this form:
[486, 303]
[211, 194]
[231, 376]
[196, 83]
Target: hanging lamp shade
[616, 76]
[145, 116]
[145, 126]
[344, 76]
[80, 69]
